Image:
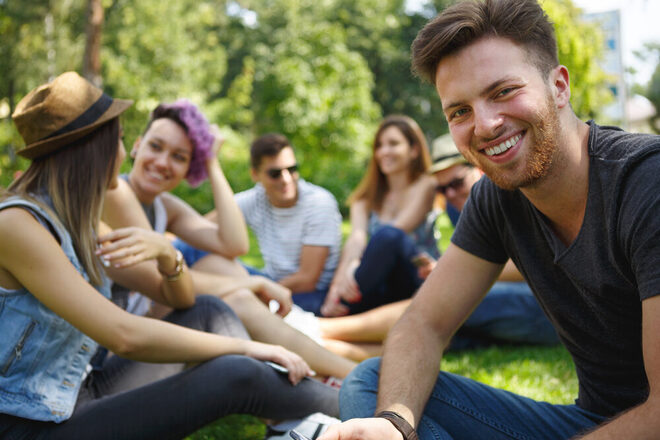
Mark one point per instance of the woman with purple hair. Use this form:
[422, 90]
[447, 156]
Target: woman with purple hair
[179, 143]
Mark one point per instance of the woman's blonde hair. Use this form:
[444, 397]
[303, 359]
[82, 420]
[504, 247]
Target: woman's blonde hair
[75, 177]
[373, 185]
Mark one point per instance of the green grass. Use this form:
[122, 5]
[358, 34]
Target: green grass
[540, 373]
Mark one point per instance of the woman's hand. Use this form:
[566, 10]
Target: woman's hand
[343, 287]
[297, 367]
[218, 140]
[268, 290]
[129, 246]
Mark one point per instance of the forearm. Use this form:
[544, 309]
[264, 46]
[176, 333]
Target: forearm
[177, 292]
[640, 422]
[221, 285]
[407, 376]
[153, 340]
[232, 230]
[352, 252]
[299, 282]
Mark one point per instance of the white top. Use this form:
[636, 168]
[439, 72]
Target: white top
[282, 232]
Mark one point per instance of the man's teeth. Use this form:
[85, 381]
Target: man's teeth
[501, 148]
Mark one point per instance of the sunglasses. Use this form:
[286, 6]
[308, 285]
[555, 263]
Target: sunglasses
[276, 173]
[455, 184]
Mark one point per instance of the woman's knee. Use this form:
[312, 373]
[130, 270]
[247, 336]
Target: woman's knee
[387, 237]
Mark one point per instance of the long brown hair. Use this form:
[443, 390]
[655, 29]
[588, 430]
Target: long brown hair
[76, 178]
[373, 185]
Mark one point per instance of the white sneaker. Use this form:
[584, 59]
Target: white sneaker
[311, 426]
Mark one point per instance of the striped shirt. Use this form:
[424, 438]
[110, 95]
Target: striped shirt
[282, 232]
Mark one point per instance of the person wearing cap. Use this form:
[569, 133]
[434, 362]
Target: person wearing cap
[55, 309]
[392, 221]
[575, 205]
[177, 143]
[509, 313]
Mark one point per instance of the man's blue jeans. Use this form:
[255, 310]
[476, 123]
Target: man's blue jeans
[463, 409]
[509, 313]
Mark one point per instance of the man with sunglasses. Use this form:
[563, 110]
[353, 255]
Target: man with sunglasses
[297, 224]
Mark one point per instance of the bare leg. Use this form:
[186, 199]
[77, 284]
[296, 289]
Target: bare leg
[264, 326]
[370, 326]
[356, 351]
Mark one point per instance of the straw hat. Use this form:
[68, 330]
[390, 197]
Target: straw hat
[56, 114]
[444, 154]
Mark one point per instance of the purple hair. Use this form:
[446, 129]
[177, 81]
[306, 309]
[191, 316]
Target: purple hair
[198, 130]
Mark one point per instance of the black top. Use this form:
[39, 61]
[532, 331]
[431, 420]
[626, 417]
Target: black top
[591, 290]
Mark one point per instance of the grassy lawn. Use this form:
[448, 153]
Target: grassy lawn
[540, 373]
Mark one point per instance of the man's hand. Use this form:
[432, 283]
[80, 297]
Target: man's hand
[363, 429]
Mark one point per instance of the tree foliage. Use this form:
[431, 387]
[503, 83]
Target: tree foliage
[322, 72]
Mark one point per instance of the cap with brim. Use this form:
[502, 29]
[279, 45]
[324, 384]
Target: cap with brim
[56, 114]
[444, 154]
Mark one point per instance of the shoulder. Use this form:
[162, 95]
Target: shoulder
[315, 195]
[614, 144]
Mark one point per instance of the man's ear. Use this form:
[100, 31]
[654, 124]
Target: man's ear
[254, 175]
[136, 145]
[561, 86]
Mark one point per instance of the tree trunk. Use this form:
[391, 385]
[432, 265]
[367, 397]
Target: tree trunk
[92, 58]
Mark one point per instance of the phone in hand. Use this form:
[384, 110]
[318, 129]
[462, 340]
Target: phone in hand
[295, 435]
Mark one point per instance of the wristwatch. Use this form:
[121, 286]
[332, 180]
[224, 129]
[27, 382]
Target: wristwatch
[400, 424]
[178, 270]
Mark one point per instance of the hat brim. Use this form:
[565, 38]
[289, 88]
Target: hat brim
[47, 146]
[446, 163]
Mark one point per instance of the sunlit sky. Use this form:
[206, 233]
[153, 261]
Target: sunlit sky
[639, 25]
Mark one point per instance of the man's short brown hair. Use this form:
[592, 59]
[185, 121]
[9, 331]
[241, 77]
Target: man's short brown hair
[521, 21]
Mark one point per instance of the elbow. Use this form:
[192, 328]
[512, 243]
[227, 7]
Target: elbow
[241, 249]
[125, 339]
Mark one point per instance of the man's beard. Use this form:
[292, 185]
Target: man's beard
[539, 159]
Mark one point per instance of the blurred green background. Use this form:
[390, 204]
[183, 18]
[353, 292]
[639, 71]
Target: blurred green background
[323, 72]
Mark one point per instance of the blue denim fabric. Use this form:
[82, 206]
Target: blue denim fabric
[42, 356]
[508, 314]
[386, 273]
[191, 254]
[463, 409]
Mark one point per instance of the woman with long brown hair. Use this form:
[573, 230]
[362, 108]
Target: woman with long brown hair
[55, 310]
[391, 210]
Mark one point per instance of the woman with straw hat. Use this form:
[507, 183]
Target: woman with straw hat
[54, 307]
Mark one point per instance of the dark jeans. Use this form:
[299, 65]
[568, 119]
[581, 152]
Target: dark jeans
[386, 273]
[464, 409]
[135, 400]
[508, 314]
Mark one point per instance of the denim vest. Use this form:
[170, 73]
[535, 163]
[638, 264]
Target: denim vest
[43, 358]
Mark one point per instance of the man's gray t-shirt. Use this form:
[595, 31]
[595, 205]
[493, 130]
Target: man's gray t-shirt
[282, 232]
[591, 290]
